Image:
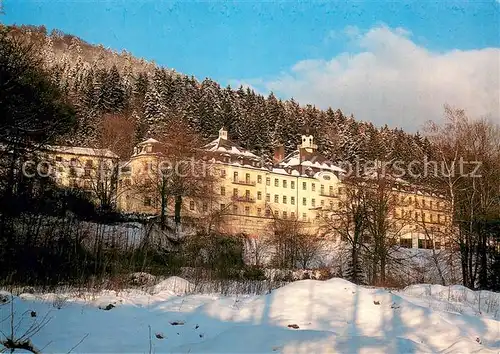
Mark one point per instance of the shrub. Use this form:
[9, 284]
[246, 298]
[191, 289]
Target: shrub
[253, 273]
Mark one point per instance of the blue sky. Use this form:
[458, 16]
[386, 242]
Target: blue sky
[259, 42]
[228, 40]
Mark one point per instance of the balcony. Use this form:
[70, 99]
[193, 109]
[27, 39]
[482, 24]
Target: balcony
[244, 183]
[243, 199]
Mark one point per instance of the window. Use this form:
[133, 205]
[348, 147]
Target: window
[430, 204]
[235, 192]
[222, 190]
[439, 218]
[147, 201]
[276, 182]
[268, 181]
[268, 213]
[313, 186]
[222, 206]
[331, 205]
[259, 179]
[259, 195]
[313, 202]
[292, 215]
[322, 203]
[284, 183]
[304, 201]
[276, 213]
[322, 189]
[268, 197]
[330, 189]
[405, 242]
[341, 190]
[191, 205]
[276, 198]
[205, 206]
[235, 176]
[58, 158]
[292, 200]
[223, 173]
[304, 185]
[292, 184]
[235, 209]
[247, 178]
[247, 194]
[432, 217]
[247, 210]
[425, 244]
[259, 211]
[285, 215]
[317, 215]
[304, 216]
[284, 199]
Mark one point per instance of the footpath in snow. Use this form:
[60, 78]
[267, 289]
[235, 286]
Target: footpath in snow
[307, 316]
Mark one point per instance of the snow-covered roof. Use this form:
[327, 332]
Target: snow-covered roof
[282, 171]
[149, 141]
[224, 146]
[77, 150]
[313, 160]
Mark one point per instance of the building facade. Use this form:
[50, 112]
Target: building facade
[94, 171]
[250, 194]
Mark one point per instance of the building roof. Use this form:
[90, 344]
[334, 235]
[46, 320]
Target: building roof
[226, 146]
[77, 150]
[308, 159]
[149, 141]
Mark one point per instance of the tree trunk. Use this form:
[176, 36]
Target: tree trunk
[177, 209]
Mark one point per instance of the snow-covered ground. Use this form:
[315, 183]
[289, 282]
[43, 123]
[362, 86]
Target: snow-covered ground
[333, 316]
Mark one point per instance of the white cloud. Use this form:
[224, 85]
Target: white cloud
[392, 80]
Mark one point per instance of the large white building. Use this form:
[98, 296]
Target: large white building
[301, 186]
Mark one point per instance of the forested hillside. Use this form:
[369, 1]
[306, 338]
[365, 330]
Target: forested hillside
[99, 81]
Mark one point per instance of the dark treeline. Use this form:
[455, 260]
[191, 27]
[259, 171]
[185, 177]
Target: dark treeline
[57, 89]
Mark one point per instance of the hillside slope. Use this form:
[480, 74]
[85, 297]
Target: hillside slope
[100, 82]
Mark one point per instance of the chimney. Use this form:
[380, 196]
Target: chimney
[279, 154]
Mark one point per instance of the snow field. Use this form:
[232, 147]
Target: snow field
[333, 316]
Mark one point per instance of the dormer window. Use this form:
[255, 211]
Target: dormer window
[149, 148]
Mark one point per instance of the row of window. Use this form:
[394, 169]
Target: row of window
[424, 203]
[284, 199]
[284, 182]
[422, 216]
[427, 244]
[267, 212]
